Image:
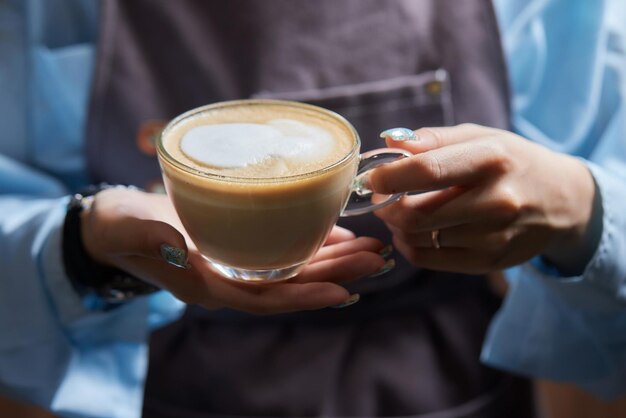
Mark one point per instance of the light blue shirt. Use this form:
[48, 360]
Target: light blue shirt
[53, 351]
[567, 65]
[567, 68]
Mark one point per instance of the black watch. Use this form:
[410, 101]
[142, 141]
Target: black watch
[112, 285]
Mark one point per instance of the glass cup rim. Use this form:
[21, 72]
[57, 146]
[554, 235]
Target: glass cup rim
[167, 157]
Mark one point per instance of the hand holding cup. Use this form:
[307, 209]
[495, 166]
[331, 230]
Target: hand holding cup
[127, 229]
[489, 199]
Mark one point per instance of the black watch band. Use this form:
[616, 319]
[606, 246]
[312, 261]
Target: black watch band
[111, 285]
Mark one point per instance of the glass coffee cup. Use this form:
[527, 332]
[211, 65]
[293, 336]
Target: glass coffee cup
[259, 184]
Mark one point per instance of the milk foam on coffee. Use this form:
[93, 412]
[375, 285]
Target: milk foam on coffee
[237, 145]
[259, 141]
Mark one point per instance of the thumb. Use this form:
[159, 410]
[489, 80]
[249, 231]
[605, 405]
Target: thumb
[150, 239]
[161, 240]
[426, 139]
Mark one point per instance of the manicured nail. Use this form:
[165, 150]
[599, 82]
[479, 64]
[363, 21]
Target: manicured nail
[175, 256]
[399, 134]
[386, 251]
[386, 268]
[350, 301]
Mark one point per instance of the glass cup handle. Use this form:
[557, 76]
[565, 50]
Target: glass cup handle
[360, 199]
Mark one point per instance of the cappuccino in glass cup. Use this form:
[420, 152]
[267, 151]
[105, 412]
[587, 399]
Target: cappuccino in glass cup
[259, 184]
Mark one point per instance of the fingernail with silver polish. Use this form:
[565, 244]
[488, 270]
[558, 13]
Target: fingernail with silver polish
[350, 301]
[386, 268]
[175, 256]
[386, 251]
[399, 134]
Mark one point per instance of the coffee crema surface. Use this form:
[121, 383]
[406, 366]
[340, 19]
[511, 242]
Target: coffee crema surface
[256, 143]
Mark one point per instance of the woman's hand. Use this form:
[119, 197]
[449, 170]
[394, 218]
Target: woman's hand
[126, 228]
[493, 200]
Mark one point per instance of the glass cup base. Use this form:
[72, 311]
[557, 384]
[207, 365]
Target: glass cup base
[256, 276]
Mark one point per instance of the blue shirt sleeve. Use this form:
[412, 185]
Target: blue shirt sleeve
[53, 351]
[568, 74]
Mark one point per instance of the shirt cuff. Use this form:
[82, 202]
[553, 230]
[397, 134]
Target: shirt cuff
[607, 266]
[70, 307]
[66, 301]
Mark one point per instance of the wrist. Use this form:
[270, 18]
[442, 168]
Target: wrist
[579, 232]
[91, 245]
[88, 274]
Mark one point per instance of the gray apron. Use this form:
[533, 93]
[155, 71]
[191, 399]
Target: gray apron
[411, 346]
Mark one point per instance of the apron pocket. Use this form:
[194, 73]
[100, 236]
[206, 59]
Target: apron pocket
[413, 101]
